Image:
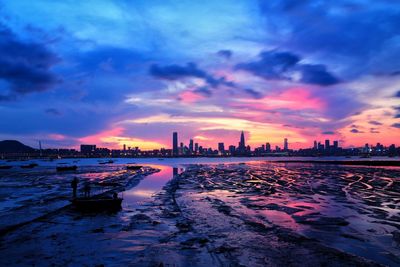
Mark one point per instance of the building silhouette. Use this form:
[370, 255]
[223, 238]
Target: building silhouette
[175, 144]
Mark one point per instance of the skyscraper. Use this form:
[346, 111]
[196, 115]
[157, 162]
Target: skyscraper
[315, 145]
[268, 147]
[285, 144]
[335, 144]
[221, 147]
[327, 144]
[174, 144]
[242, 144]
[191, 146]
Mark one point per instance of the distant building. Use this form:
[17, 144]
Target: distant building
[327, 144]
[285, 144]
[335, 144]
[268, 147]
[175, 144]
[242, 144]
[191, 145]
[221, 148]
[88, 150]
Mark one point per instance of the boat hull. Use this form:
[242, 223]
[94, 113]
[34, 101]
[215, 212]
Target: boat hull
[97, 204]
[133, 167]
[67, 168]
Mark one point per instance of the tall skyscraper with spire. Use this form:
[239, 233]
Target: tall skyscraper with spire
[242, 144]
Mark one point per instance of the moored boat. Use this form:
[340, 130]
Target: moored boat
[106, 162]
[67, 168]
[5, 167]
[104, 203]
[29, 166]
[133, 167]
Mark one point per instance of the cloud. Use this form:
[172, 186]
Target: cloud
[375, 122]
[336, 31]
[271, 65]
[253, 93]
[355, 131]
[204, 91]
[225, 53]
[328, 132]
[396, 125]
[374, 130]
[175, 72]
[397, 94]
[25, 66]
[274, 65]
[316, 74]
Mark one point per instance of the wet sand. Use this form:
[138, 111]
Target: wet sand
[253, 214]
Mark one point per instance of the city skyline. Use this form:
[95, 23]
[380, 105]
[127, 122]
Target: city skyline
[122, 72]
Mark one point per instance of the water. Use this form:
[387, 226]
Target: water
[148, 187]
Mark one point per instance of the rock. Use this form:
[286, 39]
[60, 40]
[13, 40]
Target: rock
[396, 236]
[224, 249]
[141, 217]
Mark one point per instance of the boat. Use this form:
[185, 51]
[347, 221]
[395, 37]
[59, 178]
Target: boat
[103, 203]
[133, 167]
[29, 166]
[5, 167]
[67, 168]
[106, 162]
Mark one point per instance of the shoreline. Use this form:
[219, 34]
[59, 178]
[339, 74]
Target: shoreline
[384, 163]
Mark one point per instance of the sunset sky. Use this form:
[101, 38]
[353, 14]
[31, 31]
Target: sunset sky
[132, 72]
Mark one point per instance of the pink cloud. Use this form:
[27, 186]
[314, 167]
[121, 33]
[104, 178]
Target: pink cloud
[190, 97]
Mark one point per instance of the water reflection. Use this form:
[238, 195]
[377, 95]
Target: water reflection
[149, 186]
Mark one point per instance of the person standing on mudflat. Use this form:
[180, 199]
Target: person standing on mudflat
[86, 189]
[74, 185]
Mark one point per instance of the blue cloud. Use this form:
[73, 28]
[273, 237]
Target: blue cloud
[274, 65]
[25, 66]
[396, 125]
[176, 72]
[225, 53]
[316, 74]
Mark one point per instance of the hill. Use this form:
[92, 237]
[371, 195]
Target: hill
[13, 146]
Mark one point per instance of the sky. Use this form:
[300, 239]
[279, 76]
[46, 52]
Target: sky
[131, 72]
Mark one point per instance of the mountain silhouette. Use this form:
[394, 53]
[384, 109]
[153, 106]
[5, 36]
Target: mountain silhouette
[14, 146]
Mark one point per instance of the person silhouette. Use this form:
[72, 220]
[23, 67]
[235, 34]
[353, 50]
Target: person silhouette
[86, 189]
[74, 185]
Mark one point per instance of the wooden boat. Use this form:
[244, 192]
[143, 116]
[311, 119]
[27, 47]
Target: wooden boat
[104, 203]
[67, 168]
[133, 167]
[5, 167]
[29, 166]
